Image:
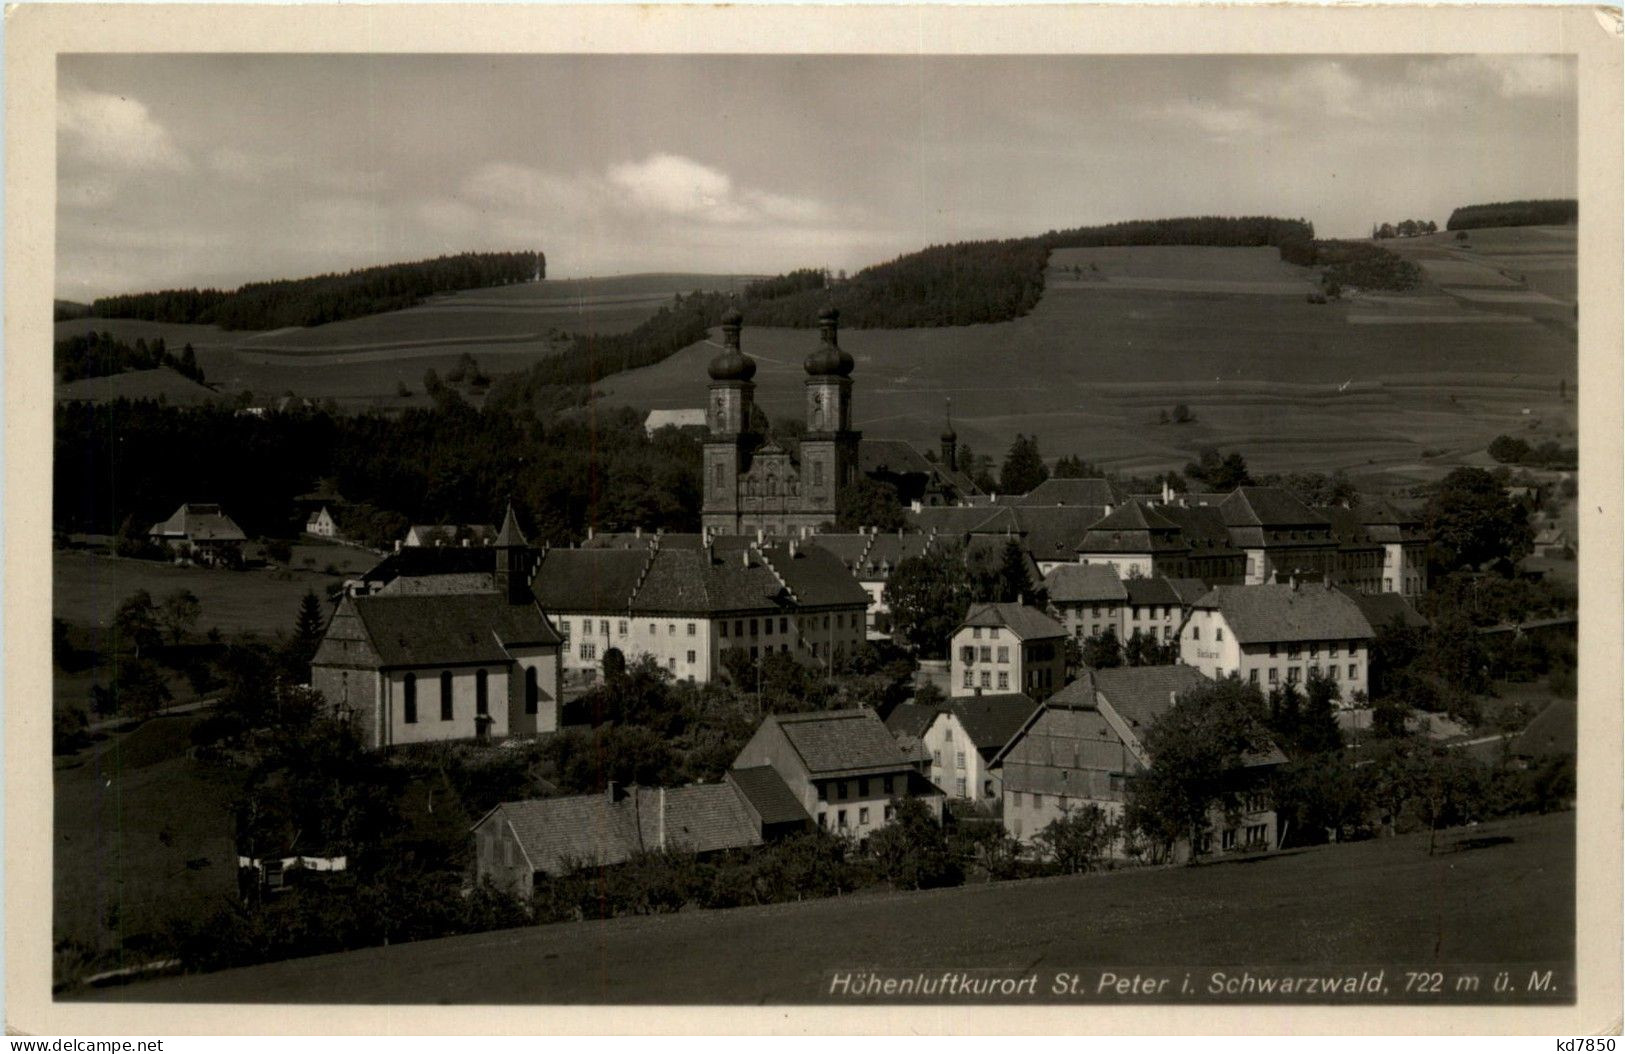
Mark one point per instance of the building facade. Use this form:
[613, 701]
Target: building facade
[1007, 648]
[1271, 635]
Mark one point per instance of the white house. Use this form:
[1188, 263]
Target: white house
[322, 524]
[1279, 634]
[1007, 648]
[964, 737]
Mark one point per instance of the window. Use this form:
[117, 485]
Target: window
[948, 733]
[1333, 649]
[976, 633]
[823, 818]
[840, 790]
[1094, 610]
[653, 629]
[1218, 634]
[986, 654]
[755, 650]
[886, 783]
[722, 628]
[532, 693]
[1314, 650]
[482, 692]
[1004, 679]
[1292, 675]
[863, 816]
[993, 633]
[823, 792]
[987, 680]
[589, 651]
[1314, 669]
[755, 626]
[959, 787]
[818, 473]
[1252, 676]
[1292, 651]
[603, 627]
[959, 759]
[691, 630]
[826, 622]
[970, 679]
[671, 629]
[1196, 633]
[936, 758]
[1274, 679]
[1004, 653]
[1038, 800]
[409, 708]
[445, 695]
[987, 788]
[691, 656]
[840, 818]
[1354, 672]
[863, 787]
[784, 624]
[739, 627]
[620, 628]
[1228, 839]
[671, 664]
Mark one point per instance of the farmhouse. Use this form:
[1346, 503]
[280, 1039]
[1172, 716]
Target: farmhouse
[518, 842]
[686, 606]
[1083, 745]
[201, 533]
[842, 766]
[321, 524]
[1279, 634]
[1007, 648]
[963, 737]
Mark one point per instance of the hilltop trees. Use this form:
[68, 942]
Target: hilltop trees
[1527, 213]
[1218, 473]
[1023, 466]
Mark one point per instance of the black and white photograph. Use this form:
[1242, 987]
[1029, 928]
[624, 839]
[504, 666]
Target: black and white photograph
[736, 525]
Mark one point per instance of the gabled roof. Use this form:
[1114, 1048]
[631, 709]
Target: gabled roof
[1265, 613]
[510, 536]
[814, 576]
[1090, 492]
[990, 720]
[1053, 532]
[1267, 507]
[1143, 592]
[417, 561]
[890, 549]
[1348, 529]
[1381, 609]
[1027, 623]
[593, 830]
[912, 719]
[1201, 527]
[952, 520]
[892, 457]
[766, 794]
[833, 742]
[452, 533]
[434, 630]
[1553, 731]
[1085, 584]
[200, 522]
[587, 579]
[1141, 694]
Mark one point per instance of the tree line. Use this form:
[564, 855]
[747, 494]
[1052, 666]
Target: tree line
[1359, 264]
[1403, 229]
[102, 355]
[326, 298]
[1526, 213]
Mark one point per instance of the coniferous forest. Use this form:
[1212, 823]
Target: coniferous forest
[1549, 211]
[326, 298]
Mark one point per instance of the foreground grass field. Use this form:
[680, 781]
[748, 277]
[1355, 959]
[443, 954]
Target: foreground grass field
[1501, 893]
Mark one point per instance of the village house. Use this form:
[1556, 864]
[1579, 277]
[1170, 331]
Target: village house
[1007, 648]
[1157, 607]
[963, 737]
[1270, 635]
[423, 667]
[201, 533]
[1088, 599]
[434, 569]
[518, 843]
[1083, 746]
[842, 766]
[321, 524]
[686, 606]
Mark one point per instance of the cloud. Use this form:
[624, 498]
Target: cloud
[1510, 76]
[115, 132]
[1214, 119]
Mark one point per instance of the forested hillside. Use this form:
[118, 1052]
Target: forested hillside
[102, 355]
[1515, 214]
[329, 297]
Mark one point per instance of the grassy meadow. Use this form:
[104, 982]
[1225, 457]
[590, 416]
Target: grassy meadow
[1498, 893]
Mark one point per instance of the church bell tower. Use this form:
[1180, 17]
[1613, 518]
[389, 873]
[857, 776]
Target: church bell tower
[729, 437]
[829, 450]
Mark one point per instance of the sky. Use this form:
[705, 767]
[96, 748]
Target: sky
[213, 170]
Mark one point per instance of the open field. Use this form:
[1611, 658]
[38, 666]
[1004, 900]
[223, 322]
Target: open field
[361, 362]
[86, 589]
[1373, 384]
[142, 835]
[1500, 893]
[1179, 269]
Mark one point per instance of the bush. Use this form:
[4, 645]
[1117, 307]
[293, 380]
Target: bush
[1079, 839]
[911, 852]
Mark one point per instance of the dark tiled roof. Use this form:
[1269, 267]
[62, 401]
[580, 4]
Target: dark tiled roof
[765, 792]
[836, 741]
[1189, 590]
[591, 829]
[954, 520]
[1077, 694]
[1553, 731]
[1086, 583]
[587, 579]
[1092, 492]
[847, 547]
[453, 533]
[1381, 609]
[418, 561]
[990, 720]
[1267, 507]
[510, 534]
[1054, 532]
[1143, 592]
[891, 549]
[892, 457]
[1025, 622]
[1264, 613]
[911, 719]
[815, 577]
[434, 630]
[200, 523]
[1141, 694]
[1200, 527]
[1348, 529]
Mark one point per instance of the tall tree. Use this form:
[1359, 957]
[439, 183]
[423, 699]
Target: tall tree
[1023, 466]
[1475, 523]
[135, 624]
[928, 596]
[180, 612]
[868, 503]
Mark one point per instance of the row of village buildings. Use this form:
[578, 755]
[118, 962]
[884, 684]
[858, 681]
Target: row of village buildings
[485, 640]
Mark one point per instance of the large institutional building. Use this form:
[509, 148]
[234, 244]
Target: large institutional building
[751, 483]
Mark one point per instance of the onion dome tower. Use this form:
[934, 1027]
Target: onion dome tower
[729, 441]
[829, 450]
